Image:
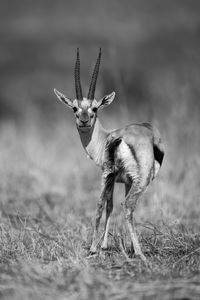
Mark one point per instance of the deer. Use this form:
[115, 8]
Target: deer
[131, 155]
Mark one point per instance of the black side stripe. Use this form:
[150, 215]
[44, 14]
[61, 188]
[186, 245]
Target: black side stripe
[158, 154]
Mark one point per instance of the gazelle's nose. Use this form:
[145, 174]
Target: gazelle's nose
[84, 122]
[84, 118]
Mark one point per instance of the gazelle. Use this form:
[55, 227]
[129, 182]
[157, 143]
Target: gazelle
[131, 155]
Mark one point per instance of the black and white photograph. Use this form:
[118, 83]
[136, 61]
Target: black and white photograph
[99, 150]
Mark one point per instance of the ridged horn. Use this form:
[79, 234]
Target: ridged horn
[78, 88]
[94, 77]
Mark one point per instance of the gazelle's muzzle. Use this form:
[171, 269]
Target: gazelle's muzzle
[84, 120]
[84, 117]
[84, 124]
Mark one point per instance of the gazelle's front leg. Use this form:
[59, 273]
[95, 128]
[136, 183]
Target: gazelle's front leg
[106, 192]
[109, 208]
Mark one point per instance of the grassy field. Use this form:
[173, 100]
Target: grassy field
[48, 197]
[49, 189]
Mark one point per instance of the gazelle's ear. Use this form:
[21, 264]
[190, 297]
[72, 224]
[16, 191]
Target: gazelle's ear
[106, 100]
[63, 98]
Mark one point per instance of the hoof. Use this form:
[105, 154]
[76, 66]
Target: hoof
[91, 255]
[141, 256]
[93, 250]
[104, 247]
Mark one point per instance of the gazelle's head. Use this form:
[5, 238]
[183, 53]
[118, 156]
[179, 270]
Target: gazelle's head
[85, 109]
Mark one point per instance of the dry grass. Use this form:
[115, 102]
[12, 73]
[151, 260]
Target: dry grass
[48, 197]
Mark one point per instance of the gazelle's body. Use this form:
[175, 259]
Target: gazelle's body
[131, 155]
[137, 151]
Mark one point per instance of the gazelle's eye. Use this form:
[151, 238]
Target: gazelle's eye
[75, 109]
[94, 109]
[92, 116]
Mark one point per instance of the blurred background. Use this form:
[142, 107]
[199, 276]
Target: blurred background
[151, 59]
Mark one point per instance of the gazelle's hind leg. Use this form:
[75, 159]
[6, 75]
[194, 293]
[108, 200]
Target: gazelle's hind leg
[106, 193]
[129, 206]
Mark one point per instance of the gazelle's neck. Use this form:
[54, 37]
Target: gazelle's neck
[94, 142]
